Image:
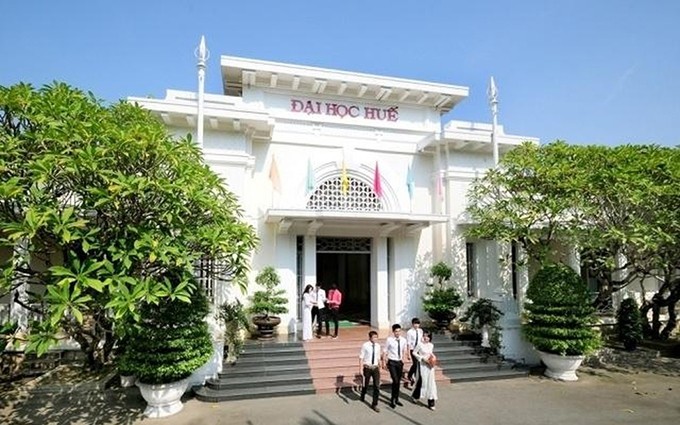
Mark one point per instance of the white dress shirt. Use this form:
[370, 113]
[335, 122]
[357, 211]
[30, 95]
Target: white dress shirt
[414, 337]
[321, 298]
[395, 347]
[370, 354]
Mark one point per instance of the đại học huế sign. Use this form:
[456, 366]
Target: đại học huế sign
[342, 110]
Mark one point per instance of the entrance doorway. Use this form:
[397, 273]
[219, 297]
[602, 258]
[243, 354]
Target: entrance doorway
[347, 263]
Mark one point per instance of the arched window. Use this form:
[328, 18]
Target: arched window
[329, 197]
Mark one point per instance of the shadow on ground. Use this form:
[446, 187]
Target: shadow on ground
[96, 407]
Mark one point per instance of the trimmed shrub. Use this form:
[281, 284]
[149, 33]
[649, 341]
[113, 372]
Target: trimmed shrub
[559, 315]
[170, 342]
[629, 324]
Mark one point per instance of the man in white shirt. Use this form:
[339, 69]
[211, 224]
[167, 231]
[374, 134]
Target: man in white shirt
[395, 352]
[319, 309]
[413, 338]
[370, 362]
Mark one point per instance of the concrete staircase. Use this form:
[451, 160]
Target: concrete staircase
[332, 365]
[263, 370]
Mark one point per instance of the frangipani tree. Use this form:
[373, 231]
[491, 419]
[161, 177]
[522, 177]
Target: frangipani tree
[617, 204]
[97, 204]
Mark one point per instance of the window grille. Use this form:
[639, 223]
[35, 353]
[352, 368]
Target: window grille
[212, 275]
[329, 197]
[330, 245]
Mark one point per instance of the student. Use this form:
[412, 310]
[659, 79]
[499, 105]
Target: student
[413, 337]
[307, 313]
[395, 352]
[333, 308]
[426, 387]
[319, 310]
[370, 362]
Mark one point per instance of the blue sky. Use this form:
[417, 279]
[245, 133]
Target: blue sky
[605, 72]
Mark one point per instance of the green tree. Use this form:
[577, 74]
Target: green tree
[614, 203]
[97, 204]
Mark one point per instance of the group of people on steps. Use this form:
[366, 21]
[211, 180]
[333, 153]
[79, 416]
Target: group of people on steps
[416, 348]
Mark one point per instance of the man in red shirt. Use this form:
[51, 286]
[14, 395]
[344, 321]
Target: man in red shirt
[333, 303]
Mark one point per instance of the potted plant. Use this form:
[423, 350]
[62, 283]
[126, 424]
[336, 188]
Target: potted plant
[266, 304]
[559, 319]
[483, 315]
[235, 320]
[629, 324]
[441, 301]
[169, 343]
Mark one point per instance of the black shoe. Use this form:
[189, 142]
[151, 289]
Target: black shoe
[398, 403]
[375, 408]
[362, 398]
[392, 405]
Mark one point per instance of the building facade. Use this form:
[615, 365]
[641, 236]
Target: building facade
[350, 179]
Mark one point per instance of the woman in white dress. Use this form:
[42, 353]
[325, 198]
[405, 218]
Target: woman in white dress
[426, 387]
[307, 313]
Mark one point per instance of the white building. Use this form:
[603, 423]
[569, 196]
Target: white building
[350, 179]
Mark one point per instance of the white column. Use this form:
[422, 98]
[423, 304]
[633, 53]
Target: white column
[379, 292]
[309, 260]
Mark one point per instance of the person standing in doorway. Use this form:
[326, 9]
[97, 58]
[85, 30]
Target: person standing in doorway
[426, 386]
[333, 308]
[307, 313]
[395, 351]
[370, 362]
[413, 337]
[320, 309]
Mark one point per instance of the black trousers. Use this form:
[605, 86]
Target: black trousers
[321, 319]
[419, 386]
[396, 368]
[332, 315]
[413, 368]
[374, 373]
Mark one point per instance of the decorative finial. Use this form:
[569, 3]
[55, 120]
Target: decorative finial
[492, 92]
[202, 53]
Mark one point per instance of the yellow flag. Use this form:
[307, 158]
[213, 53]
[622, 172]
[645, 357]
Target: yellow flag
[344, 180]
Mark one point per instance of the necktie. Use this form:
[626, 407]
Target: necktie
[399, 348]
[373, 356]
[417, 338]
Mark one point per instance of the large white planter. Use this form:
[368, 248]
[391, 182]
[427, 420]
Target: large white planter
[163, 399]
[211, 368]
[561, 367]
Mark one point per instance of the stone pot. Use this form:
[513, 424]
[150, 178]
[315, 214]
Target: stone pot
[163, 399]
[265, 326]
[561, 367]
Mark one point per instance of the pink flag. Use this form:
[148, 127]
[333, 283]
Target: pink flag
[274, 175]
[377, 185]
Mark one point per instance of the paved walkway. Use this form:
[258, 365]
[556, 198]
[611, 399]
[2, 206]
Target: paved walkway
[599, 397]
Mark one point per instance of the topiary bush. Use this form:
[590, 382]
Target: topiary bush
[559, 315]
[170, 342]
[629, 324]
[272, 300]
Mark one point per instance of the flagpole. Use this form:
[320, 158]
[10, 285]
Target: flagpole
[493, 102]
[202, 54]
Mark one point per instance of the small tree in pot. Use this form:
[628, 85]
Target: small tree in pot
[236, 322]
[629, 324]
[170, 342]
[441, 302]
[559, 319]
[483, 315]
[266, 304]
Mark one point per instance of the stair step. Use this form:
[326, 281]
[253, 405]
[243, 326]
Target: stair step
[264, 370]
[213, 396]
[255, 381]
[273, 360]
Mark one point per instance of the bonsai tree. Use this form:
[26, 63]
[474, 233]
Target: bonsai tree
[267, 303]
[559, 317]
[483, 315]
[233, 315]
[629, 324]
[440, 302]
